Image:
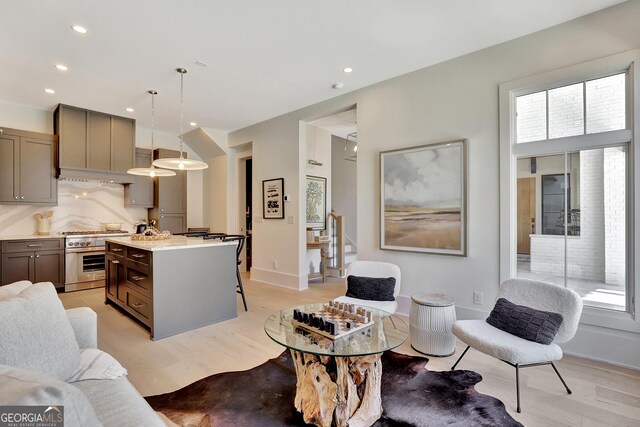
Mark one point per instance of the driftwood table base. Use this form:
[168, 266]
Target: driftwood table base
[338, 391]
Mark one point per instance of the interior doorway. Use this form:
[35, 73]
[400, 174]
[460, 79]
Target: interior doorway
[245, 209]
[248, 191]
[332, 152]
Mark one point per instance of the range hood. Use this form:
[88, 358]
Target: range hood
[86, 175]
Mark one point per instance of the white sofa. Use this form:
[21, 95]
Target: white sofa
[111, 402]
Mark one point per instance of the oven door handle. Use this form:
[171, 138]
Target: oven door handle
[84, 250]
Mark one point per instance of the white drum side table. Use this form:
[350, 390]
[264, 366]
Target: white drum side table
[430, 322]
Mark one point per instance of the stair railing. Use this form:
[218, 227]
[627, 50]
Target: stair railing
[337, 224]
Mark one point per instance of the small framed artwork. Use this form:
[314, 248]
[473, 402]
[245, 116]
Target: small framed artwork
[272, 198]
[423, 200]
[316, 202]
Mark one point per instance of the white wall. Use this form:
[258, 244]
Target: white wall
[215, 194]
[26, 118]
[455, 99]
[344, 189]
[278, 246]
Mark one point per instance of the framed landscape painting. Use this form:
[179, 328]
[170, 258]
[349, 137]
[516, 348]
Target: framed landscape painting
[316, 202]
[423, 199]
[272, 198]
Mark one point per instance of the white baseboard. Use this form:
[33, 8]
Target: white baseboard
[278, 278]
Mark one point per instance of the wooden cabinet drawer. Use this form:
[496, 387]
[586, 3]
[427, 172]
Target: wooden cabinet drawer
[140, 305]
[139, 281]
[139, 255]
[32, 245]
[115, 249]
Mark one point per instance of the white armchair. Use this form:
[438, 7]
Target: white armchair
[516, 351]
[374, 269]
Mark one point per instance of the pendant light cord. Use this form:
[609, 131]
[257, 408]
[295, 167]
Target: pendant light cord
[181, 108]
[153, 113]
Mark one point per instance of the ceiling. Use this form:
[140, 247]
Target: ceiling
[265, 58]
[340, 124]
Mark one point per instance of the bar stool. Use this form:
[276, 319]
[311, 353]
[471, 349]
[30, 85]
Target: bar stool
[240, 239]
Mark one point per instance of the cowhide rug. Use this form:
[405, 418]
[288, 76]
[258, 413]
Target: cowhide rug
[263, 396]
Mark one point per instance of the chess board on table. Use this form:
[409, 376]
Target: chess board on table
[347, 319]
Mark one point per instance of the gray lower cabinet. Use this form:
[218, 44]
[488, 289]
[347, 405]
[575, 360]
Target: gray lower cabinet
[129, 281]
[27, 167]
[140, 192]
[40, 260]
[172, 291]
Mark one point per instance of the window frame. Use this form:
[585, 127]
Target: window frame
[511, 150]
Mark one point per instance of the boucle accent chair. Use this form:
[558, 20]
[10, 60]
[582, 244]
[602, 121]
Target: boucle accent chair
[515, 351]
[374, 269]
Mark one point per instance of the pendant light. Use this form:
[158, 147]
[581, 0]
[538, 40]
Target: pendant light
[180, 163]
[151, 171]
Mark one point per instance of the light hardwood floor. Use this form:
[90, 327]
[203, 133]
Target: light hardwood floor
[603, 395]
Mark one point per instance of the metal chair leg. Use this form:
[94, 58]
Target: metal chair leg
[241, 289]
[460, 358]
[561, 379]
[518, 387]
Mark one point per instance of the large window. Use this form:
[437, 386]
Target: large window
[567, 198]
[584, 250]
[587, 107]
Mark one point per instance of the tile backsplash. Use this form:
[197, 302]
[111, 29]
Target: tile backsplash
[81, 206]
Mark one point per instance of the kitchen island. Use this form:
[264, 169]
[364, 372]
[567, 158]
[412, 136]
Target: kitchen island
[172, 286]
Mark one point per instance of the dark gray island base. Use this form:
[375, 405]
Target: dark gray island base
[172, 286]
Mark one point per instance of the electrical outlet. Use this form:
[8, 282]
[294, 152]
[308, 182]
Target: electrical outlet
[478, 298]
[275, 264]
[291, 219]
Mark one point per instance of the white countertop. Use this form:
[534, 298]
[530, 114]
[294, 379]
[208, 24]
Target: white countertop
[176, 242]
[30, 237]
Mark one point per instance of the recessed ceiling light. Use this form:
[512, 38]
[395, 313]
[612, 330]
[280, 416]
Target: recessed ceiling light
[129, 109]
[348, 70]
[50, 91]
[79, 29]
[193, 124]
[62, 67]
[338, 85]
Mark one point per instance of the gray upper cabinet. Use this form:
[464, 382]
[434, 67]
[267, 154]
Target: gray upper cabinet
[170, 197]
[123, 143]
[98, 141]
[9, 149]
[140, 192]
[27, 167]
[94, 141]
[71, 123]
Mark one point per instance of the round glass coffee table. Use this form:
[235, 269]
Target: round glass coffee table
[338, 380]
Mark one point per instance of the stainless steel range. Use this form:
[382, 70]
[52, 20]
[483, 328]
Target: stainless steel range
[84, 258]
